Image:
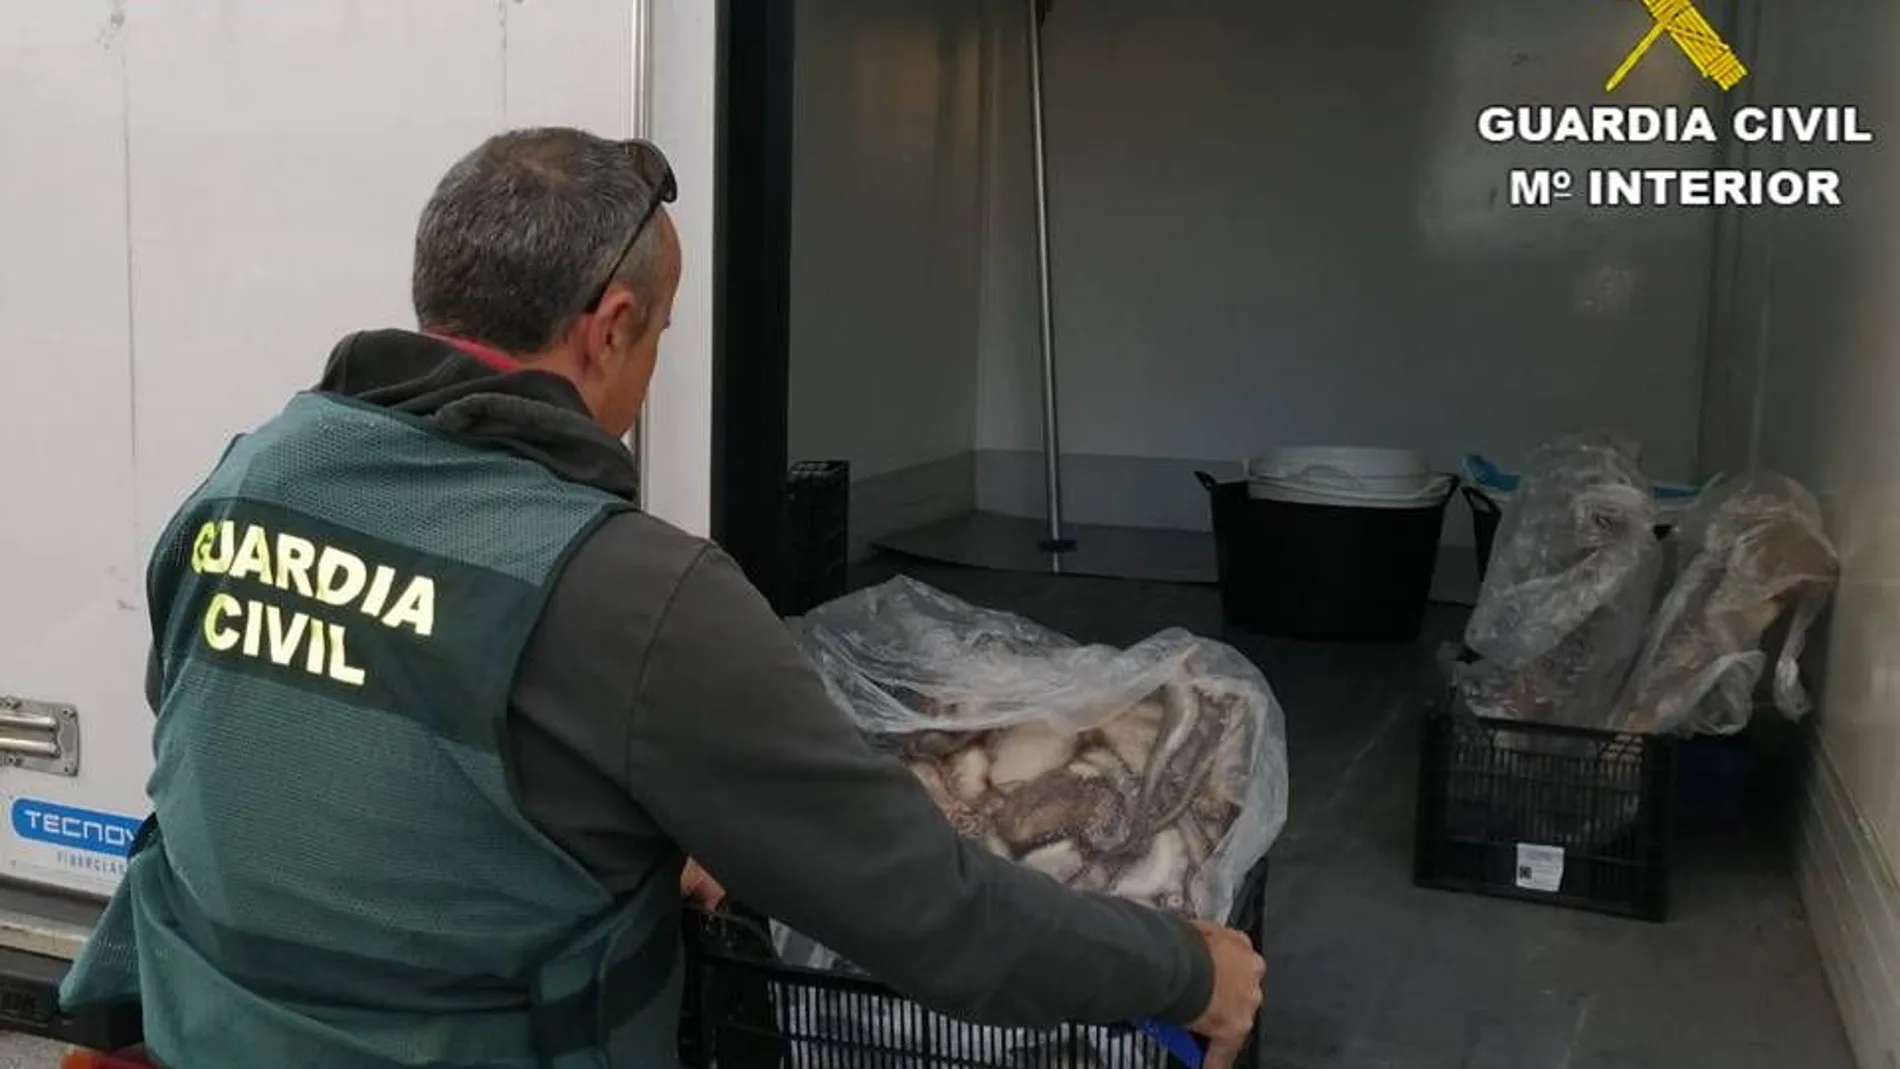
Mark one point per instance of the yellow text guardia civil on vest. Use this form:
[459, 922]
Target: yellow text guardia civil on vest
[323, 574]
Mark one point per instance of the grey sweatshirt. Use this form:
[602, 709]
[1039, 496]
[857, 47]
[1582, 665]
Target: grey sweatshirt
[662, 700]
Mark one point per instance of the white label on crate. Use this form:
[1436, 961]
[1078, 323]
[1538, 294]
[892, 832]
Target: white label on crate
[1540, 868]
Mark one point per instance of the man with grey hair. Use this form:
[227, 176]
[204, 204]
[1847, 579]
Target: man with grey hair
[441, 714]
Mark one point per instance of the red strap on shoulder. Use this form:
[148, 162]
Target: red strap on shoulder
[488, 355]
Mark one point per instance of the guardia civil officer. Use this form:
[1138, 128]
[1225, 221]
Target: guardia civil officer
[440, 714]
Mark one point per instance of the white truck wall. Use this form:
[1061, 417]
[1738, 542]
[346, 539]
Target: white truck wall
[200, 198]
[676, 447]
[1276, 224]
[71, 598]
[886, 251]
[1806, 381]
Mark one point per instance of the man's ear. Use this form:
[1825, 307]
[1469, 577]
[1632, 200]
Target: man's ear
[637, 318]
[604, 328]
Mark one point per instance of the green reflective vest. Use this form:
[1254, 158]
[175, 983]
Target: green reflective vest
[336, 874]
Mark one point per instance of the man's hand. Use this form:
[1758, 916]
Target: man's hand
[699, 888]
[1238, 974]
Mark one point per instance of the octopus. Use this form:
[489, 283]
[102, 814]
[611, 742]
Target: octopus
[1136, 806]
[1760, 554]
[1161, 794]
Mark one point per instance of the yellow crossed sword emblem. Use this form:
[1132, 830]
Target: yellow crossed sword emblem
[1693, 34]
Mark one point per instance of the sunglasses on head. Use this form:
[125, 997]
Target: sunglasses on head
[657, 174]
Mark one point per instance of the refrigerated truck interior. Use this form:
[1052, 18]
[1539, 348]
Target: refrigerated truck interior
[999, 256]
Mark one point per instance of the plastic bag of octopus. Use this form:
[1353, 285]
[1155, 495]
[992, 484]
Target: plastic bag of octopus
[1570, 588]
[1750, 553]
[1156, 772]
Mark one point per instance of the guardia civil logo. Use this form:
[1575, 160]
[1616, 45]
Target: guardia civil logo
[1693, 35]
[1726, 177]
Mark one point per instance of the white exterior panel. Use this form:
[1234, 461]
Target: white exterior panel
[217, 191]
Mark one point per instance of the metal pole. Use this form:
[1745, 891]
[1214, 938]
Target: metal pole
[642, 115]
[1054, 541]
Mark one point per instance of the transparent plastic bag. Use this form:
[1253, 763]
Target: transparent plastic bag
[1570, 587]
[1751, 551]
[1157, 772]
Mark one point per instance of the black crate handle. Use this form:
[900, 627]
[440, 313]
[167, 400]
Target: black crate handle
[723, 917]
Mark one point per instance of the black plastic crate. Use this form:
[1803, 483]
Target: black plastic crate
[818, 533]
[1546, 813]
[29, 1004]
[743, 1009]
[1720, 782]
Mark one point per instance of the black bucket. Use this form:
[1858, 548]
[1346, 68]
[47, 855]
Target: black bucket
[1323, 573]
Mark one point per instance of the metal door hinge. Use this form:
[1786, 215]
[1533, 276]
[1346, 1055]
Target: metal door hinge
[39, 736]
